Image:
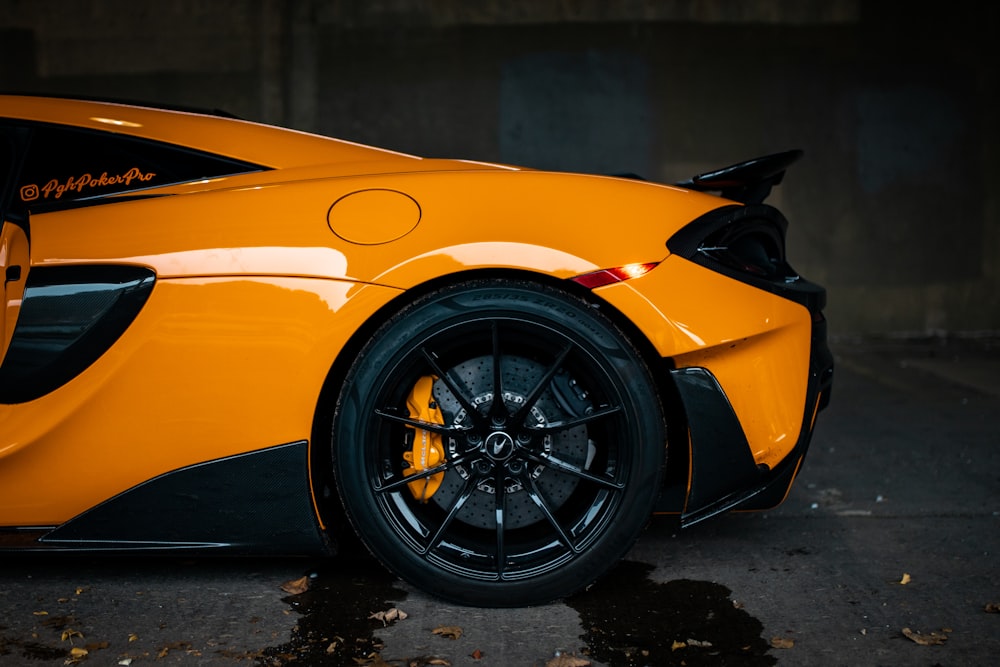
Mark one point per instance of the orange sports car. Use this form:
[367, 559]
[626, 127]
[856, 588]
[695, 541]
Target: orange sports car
[217, 335]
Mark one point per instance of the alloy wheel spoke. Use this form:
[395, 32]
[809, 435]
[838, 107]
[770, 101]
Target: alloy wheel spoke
[433, 427]
[557, 464]
[556, 427]
[438, 535]
[398, 483]
[501, 503]
[536, 497]
[456, 387]
[540, 386]
[498, 411]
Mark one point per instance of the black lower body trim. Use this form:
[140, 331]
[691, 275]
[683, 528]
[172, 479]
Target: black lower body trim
[724, 475]
[257, 502]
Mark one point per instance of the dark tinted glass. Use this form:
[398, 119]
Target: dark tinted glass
[6, 166]
[64, 165]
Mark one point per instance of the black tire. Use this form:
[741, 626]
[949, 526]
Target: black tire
[540, 492]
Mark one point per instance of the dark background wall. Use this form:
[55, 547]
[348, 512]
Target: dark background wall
[894, 207]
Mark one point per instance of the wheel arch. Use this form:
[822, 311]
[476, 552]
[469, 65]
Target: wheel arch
[324, 484]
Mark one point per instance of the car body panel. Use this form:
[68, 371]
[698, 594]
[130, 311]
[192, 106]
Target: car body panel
[179, 235]
[756, 344]
[108, 430]
[263, 283]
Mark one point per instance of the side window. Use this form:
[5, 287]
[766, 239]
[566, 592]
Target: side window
[6, 168]
[64, 165]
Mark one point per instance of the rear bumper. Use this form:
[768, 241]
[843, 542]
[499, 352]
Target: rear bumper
[723, 473]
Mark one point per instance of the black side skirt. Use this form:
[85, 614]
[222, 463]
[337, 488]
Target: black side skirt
[257, 502]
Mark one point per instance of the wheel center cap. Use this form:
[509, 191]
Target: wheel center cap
[499, 446]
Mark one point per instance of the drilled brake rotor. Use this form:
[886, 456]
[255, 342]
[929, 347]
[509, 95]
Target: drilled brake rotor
[501, 457]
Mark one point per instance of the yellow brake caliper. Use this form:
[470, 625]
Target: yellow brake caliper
[428, 447]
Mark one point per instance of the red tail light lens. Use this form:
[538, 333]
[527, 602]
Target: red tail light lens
[618, 274]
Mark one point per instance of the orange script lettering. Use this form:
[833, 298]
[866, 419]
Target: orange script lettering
[56, 188]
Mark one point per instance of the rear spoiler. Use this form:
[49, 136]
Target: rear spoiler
[748, 182]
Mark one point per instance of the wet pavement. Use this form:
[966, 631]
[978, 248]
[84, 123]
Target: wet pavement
[885, 553]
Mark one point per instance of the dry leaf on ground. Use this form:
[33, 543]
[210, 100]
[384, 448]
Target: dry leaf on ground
[782, 642]
[70, 633]
[390, 615]
[992, 608]
[296, 586]
[932, 639]
[567, 660]
[76, 655]
[905, 579]
[448, 631]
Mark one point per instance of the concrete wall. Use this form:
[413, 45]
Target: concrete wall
[894, 207]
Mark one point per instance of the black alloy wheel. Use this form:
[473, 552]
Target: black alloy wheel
[499, 443]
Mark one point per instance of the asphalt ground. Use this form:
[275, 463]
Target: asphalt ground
[885, 553]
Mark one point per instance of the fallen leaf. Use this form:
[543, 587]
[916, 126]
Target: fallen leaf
[332, 647]
[179, 646]
[76, 655]
[567, 660]
[695, 642]
[476, 655]
[782, 642]
[905, 580]
[992, 608]
[390, 615]
[933, 639]
[132, 637]
[677, 645]
[373, 660]
[39, 613]
[448, 631]
[70, 633]
[296, 586]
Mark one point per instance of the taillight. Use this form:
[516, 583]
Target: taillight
[617, 274]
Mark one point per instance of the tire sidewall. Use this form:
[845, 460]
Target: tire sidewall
[568, 315]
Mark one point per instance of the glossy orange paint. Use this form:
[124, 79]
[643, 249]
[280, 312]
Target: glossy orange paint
[215, 350]
[755, 343]
[262, 278]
